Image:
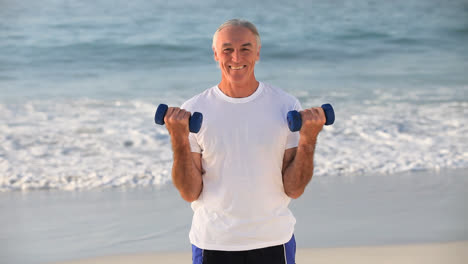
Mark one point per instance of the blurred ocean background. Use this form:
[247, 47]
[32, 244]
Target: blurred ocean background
[80, 81]
[84, 171]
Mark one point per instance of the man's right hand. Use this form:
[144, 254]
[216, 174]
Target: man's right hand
[177, 123]
[186, 168]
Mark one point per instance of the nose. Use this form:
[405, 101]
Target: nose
[235, 56]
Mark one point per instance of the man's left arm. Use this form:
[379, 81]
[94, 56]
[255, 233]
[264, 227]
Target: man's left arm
[298, 163]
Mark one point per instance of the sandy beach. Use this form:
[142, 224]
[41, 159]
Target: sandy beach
[413, 217]
[443, 253]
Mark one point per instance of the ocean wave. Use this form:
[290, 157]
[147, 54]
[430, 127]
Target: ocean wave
[96, 53]
[85, 144]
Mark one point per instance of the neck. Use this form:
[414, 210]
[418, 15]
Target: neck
[238, 90]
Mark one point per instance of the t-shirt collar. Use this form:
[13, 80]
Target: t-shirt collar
[249, 98]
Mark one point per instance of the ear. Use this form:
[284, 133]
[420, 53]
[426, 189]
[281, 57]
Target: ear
[215, 54]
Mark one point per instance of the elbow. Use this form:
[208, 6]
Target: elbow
[189, 193]
[189, 197]
[295, 194]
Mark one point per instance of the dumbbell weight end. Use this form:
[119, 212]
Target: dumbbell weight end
[295, 120]
[195, 121]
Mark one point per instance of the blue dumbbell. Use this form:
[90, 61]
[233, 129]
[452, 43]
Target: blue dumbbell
[295, 120]
[195, 121]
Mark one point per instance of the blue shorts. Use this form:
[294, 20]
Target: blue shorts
[281, 254]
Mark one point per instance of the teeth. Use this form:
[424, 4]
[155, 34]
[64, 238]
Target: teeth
[237, 68]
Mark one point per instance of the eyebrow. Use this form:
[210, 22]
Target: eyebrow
[248, 44]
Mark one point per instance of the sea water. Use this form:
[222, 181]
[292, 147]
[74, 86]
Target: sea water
[80, 82]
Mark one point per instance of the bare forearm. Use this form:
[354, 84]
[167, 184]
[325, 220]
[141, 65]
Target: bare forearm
[300, 170]
[185, 175]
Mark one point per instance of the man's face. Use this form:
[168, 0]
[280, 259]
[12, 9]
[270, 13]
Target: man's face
[236, 51]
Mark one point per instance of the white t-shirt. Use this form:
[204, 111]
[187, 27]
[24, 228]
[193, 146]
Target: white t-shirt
[243, 205]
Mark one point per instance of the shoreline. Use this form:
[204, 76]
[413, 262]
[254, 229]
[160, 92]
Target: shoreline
[432, 253]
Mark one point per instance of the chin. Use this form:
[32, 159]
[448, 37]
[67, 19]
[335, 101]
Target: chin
[239, 77]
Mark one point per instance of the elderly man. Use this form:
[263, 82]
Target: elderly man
[244, 166]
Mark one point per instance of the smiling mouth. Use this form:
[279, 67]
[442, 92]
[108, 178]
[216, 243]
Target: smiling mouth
[237, 68]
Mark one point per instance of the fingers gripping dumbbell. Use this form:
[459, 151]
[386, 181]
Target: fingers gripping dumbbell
[195, 121]
[295, 120]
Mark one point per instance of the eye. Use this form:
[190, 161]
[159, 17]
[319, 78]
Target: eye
[227, 50]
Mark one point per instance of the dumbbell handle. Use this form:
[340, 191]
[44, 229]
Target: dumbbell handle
[295, 120]
[195, 120]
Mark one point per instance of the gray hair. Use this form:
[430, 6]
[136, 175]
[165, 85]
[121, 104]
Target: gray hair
[239, 23]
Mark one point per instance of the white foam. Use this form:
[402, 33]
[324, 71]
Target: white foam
[81, 145]
[85, 144]
[394, 138]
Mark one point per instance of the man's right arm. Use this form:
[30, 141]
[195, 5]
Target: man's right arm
[186, 169]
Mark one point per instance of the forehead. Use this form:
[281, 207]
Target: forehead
[235, 35]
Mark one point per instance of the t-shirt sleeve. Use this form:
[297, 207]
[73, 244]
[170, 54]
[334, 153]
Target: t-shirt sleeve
[194, 146]
[292, 140]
